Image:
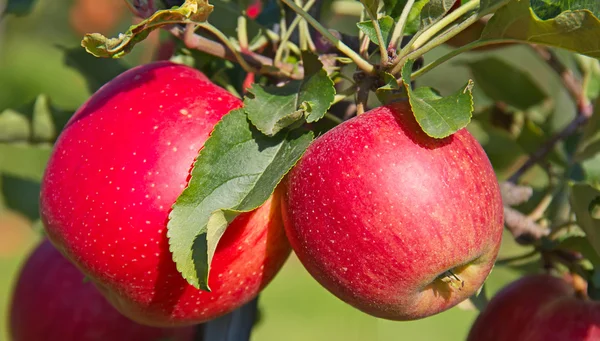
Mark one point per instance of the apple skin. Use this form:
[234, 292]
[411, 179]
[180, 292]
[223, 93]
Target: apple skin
[376, 210]
[115, 172]
[538, 308]
[53, 302]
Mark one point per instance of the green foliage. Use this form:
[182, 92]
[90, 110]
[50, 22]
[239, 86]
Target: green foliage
[585, 201]
[236, 171]
[386, 24]
[18, 7]
[97, 71]
[439, 116]
[575, 31]
[192, 11]
[272, 108]
[548, 9]
[506, 83]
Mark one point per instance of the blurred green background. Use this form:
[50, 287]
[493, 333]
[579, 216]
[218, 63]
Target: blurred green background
[294, 306]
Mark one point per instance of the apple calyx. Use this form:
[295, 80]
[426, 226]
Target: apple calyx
[452, 279]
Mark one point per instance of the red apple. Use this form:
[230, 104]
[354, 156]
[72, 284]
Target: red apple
[115, 172]
[538, 308]
[398, 224]
[53, 302]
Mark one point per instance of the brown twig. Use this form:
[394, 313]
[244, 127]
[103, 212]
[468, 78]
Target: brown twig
[584, 109]
[200, 43]
[524, 229]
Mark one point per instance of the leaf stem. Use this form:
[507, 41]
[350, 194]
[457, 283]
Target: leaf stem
[454, 53]
[382, 50]
[444, 22]
[399, 29]
[286, 37]
[242, 32]
[225, 40]
[356, 58]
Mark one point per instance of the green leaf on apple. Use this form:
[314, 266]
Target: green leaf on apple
[192, 11]
[272, 108]
[572, 30]
[386, 24]
[18, 7]
[585, 201]
[506, 83]
[96, 71]
[439, 116]
[236, 171]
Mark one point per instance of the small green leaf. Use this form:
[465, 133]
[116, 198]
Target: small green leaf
[585, 200]
[272, 108]
[37, 121]
[192, 11]
[572, 30]
[14, 126]
[237, 170]
[506, 83]
[18, 7]
[438, 116]
[371, 6]
[390, 91]
[97, 71]
[385, 23]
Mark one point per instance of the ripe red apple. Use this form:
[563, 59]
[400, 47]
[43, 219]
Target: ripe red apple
[538, 308]
[115, 172]
[398, 224]
[53, 302]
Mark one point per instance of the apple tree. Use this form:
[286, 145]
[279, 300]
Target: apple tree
[394, 154]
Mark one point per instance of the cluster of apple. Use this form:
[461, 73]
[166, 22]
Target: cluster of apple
[396, 223]
[371, 209]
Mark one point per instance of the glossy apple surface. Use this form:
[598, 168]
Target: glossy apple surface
[538, 308]
[53, 302]
[115, 172]
[379, 213]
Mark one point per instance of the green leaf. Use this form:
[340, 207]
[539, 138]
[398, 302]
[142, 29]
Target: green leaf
[548, 9]
[236, 171]
[38, 121]
[506, 83]
[97, 71]
[572, 30]
[371, 6]
[433, 11]
[386, 24]
[439, 116]
[24, 160]
[582, 245]
[589, 146]
[192, 11]
[585, 200]
[272, 108]
[21, 195]
[590, 68]
[14, 126]
[390, 91]
[394, 9]
[18, 7]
